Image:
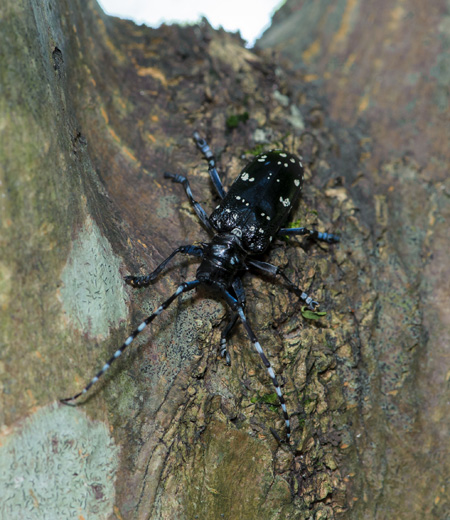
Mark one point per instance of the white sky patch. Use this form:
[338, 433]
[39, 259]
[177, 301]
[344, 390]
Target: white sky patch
[250, 17]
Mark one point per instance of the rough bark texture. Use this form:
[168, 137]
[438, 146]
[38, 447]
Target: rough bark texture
[385, 67]
[94, 110]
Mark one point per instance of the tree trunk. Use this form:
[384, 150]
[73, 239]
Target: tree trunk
[95, 109]
[383, 68]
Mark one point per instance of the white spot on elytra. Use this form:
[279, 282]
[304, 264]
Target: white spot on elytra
[236, 231]
[238, 197]
[292, 160]
[285, 202]
[286, 165]
[244, 176]
[283, 155]
[297, 182]
[252, 179]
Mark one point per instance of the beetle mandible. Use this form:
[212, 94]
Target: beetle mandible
[242, 226]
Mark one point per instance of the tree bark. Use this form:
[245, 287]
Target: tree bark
[383, 69]
[95, 110]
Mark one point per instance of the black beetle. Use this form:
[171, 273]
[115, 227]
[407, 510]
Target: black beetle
[243, 225]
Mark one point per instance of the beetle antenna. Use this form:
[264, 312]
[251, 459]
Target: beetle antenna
[235, 306]
[184, 287]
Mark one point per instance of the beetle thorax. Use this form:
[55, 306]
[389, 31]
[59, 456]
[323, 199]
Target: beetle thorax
[223, 258]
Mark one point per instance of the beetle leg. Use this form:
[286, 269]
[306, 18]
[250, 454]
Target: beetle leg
[323, 237]
[223, 339]
[240, 296]
[201, 213]
[202, 145]
[276, 271]
[144, 281]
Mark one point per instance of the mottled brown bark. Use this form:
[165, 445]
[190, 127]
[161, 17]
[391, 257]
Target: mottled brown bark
[383, 69]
